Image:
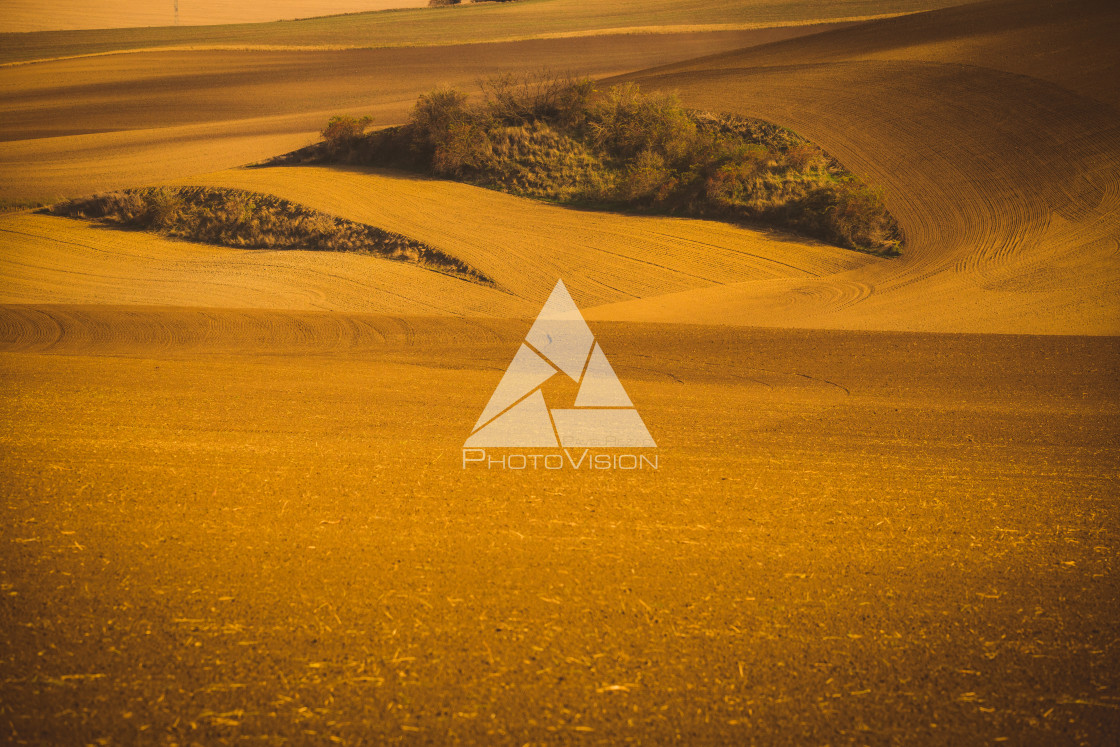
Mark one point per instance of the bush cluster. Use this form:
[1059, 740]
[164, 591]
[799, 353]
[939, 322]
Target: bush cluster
[237, 218]
[445, 3]
[558, 138]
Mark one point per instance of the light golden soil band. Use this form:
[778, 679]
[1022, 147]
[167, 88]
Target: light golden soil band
[28, 15]
[522, 244]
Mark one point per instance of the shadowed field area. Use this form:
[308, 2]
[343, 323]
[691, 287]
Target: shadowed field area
[851, 536]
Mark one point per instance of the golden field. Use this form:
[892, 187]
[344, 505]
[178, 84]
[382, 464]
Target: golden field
[468, 24]
[28, 15]
[142, 118]
[885, 509]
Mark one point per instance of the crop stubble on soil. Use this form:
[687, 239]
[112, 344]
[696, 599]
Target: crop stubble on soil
[225, 524]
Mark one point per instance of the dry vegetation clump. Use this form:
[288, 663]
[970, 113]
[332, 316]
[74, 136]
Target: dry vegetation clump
[445, 3]
[343, 129]
[535, 160]
[556, 138]
[237, 218]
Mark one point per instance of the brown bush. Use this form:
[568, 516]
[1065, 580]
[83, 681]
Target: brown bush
[435, 112]
[345, 128]
[626, 123]
[511, 99]
[646, 178]
[463, 146]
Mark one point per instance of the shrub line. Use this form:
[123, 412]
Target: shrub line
[560, 139]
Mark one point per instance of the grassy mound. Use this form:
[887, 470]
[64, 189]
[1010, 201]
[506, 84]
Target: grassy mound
[236, 218]
[559, 139]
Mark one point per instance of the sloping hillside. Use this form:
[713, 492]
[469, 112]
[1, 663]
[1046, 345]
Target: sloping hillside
[1005, 185]
[484, 22]
[73, 126]
[522, 244]
[59, 260]
[1068, 42]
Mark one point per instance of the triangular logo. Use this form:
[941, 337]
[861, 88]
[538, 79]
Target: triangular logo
[559, 342]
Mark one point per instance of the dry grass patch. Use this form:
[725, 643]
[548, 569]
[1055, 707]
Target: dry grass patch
[237, 218]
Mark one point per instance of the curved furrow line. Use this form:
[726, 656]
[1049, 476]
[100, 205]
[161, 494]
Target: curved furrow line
[991, 175]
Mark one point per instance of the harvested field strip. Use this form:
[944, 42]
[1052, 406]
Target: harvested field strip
[126, 330]
[167, 87]
[525, 245]
[522, 244]
[28, 15]
[44, 259]
[73, 127]
[467, 24]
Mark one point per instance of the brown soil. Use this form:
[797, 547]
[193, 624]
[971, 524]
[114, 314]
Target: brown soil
[233, 525]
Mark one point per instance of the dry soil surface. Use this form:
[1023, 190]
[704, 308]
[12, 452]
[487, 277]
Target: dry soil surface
[232, 525]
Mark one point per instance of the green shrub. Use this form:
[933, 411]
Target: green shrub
[558, 138]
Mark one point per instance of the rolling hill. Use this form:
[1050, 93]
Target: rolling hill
[522, 244]
[484, 22]
[70, 127]
[1004, 184]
